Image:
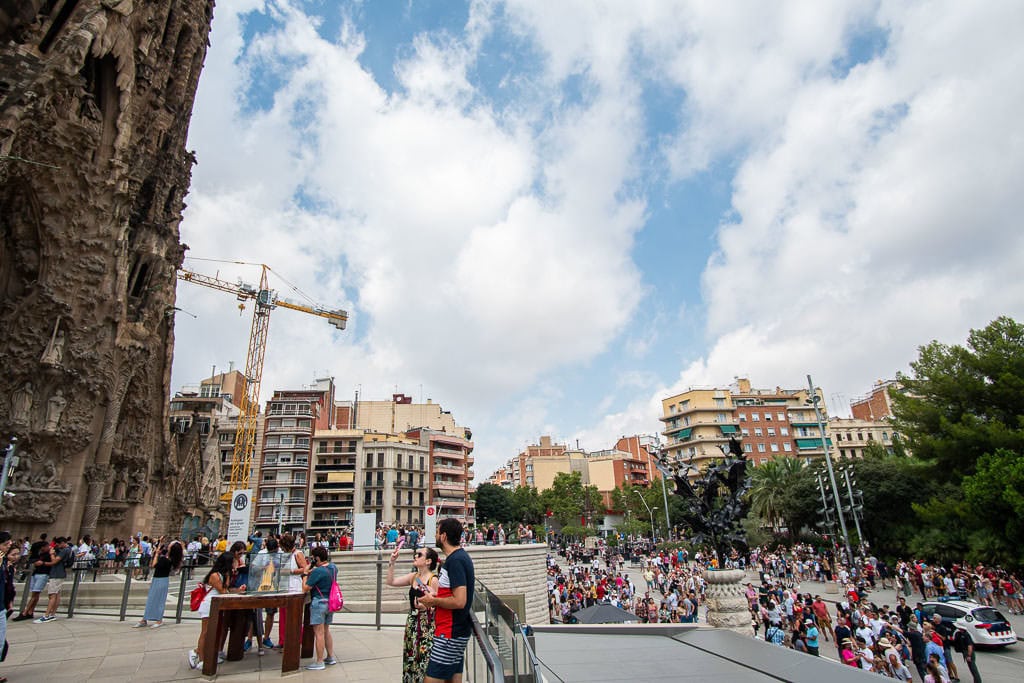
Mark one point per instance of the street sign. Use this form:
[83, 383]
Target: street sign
[429, 525]
[238, 522]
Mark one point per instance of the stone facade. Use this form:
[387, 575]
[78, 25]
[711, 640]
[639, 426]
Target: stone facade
[95, 101]
[505, 569]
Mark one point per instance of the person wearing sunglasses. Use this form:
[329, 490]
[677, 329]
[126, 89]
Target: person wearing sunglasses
[419, 626]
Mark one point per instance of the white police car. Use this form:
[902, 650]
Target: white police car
[985, 625]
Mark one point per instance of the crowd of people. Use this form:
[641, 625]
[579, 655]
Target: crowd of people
[440, 595]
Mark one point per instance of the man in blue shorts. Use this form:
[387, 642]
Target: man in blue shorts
[453, 601]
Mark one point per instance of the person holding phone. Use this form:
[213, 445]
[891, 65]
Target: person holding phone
[419, 626]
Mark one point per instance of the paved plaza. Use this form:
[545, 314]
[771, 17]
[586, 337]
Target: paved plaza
[98, 649]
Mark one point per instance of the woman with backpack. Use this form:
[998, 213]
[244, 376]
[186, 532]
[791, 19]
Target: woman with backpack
[318, 584]
[217, 582]
[165, 560]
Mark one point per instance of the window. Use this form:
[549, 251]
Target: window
[842, 452]
[767, 417]
[783, 431]
[398, 461]
[774, 448]
[885, 436]
[745, 432]
[721, 417]
[683, 405]
[369, 478]
[760, 448]
[421, 464]
[781, 417]
[743, 417]
[287, 422]
[672, 409]
[860, 436]
[762, 461]
[787, 447]
[747, 448]
[719, 402]
[369, 459]
[757, 431]
[771, 431]
[692, 450]
[287, 440]
[380, 478]
[421, 495]
[380, 460]
[756, 417]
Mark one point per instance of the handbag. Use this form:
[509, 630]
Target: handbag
[197, 596]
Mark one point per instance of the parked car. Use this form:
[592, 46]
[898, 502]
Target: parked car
[985, 625]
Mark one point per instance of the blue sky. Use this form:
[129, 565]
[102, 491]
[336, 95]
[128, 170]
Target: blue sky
[551, 215]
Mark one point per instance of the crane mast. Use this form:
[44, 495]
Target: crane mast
[265, 300]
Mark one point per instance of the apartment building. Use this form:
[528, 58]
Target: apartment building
[332, 497]
[449, 477]
[393, 479]
[770, 423]
[876, 404]
[292, 418]
[852, 436]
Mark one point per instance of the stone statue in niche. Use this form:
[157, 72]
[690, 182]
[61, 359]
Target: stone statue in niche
[53, 354]
[21, 405]
[121, 485]
[48, 477]
[54, 409]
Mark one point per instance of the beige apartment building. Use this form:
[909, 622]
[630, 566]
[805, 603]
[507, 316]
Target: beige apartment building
[851, 436]
[396, 416]
[769, 422]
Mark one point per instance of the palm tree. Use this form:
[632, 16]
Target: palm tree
[768, 485]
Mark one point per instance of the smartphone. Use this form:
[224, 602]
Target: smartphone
[401, 542]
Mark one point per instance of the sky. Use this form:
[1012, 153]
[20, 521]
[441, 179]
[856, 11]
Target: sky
[549, 216]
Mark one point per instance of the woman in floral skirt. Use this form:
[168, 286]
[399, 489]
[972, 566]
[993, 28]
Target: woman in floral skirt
[419, 627]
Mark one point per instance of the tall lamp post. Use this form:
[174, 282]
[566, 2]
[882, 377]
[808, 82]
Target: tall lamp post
[855, 505]
[664, 490]
[649, 511]
[815, 401]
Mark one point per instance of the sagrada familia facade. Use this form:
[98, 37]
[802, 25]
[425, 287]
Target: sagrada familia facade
[95, 102]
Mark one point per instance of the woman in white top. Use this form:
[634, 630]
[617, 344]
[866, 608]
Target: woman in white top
[295, 567]
[218, 581]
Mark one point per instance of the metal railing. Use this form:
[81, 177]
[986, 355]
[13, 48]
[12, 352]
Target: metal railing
[504, 646]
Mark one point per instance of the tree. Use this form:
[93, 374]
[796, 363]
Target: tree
[525, 506]
[568, 498]
[994, 495]
[962, 402]
[493, 503]
[769, 484]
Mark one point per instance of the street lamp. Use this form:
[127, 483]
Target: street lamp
[650, 511]
[280, 513]
[854, 506]
[815, 400]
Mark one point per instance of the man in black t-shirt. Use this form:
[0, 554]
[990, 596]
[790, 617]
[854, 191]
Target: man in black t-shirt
[39, 561]
[453, 601]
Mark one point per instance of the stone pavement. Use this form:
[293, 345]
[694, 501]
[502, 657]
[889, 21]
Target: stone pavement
[98, 649]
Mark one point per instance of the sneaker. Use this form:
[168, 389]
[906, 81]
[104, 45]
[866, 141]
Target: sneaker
[261, 652]
[140, 624]
[316, 666]
[268, 643]
[330, 661]
[247, 646]
[193, 659]
[42, 620]
[221, 657]
[157, 624]
[23, 617]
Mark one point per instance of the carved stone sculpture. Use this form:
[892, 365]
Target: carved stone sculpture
[53, 354]
[54, 409]
[97, 94]
[21, 405]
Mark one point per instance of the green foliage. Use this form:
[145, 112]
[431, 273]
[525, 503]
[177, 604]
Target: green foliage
[769, 486]
[526, 506]
[568, 499]
[493, 503]
[962, 402]
[574, 531]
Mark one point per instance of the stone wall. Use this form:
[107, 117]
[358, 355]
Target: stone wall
[95, 101]
[505, 569]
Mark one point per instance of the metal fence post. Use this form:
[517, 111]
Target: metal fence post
[24, 593]
[181, 595]
[74, 593]
[124, 595]
[380, 586]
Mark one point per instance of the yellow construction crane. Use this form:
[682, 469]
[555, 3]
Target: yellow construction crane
[266, 301]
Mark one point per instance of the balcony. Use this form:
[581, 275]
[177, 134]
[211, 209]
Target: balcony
[449, 486]
[302, 448]
[448, 469]
[301, 429]
[332, 485]
[322, 504]
[324, 467]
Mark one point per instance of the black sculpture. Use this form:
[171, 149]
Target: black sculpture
[716, 502]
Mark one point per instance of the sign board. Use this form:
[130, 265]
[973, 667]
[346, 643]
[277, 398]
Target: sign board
[238, 522]
[429, 525]
[364, 525]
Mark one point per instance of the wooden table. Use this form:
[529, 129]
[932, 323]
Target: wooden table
[228, 611]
